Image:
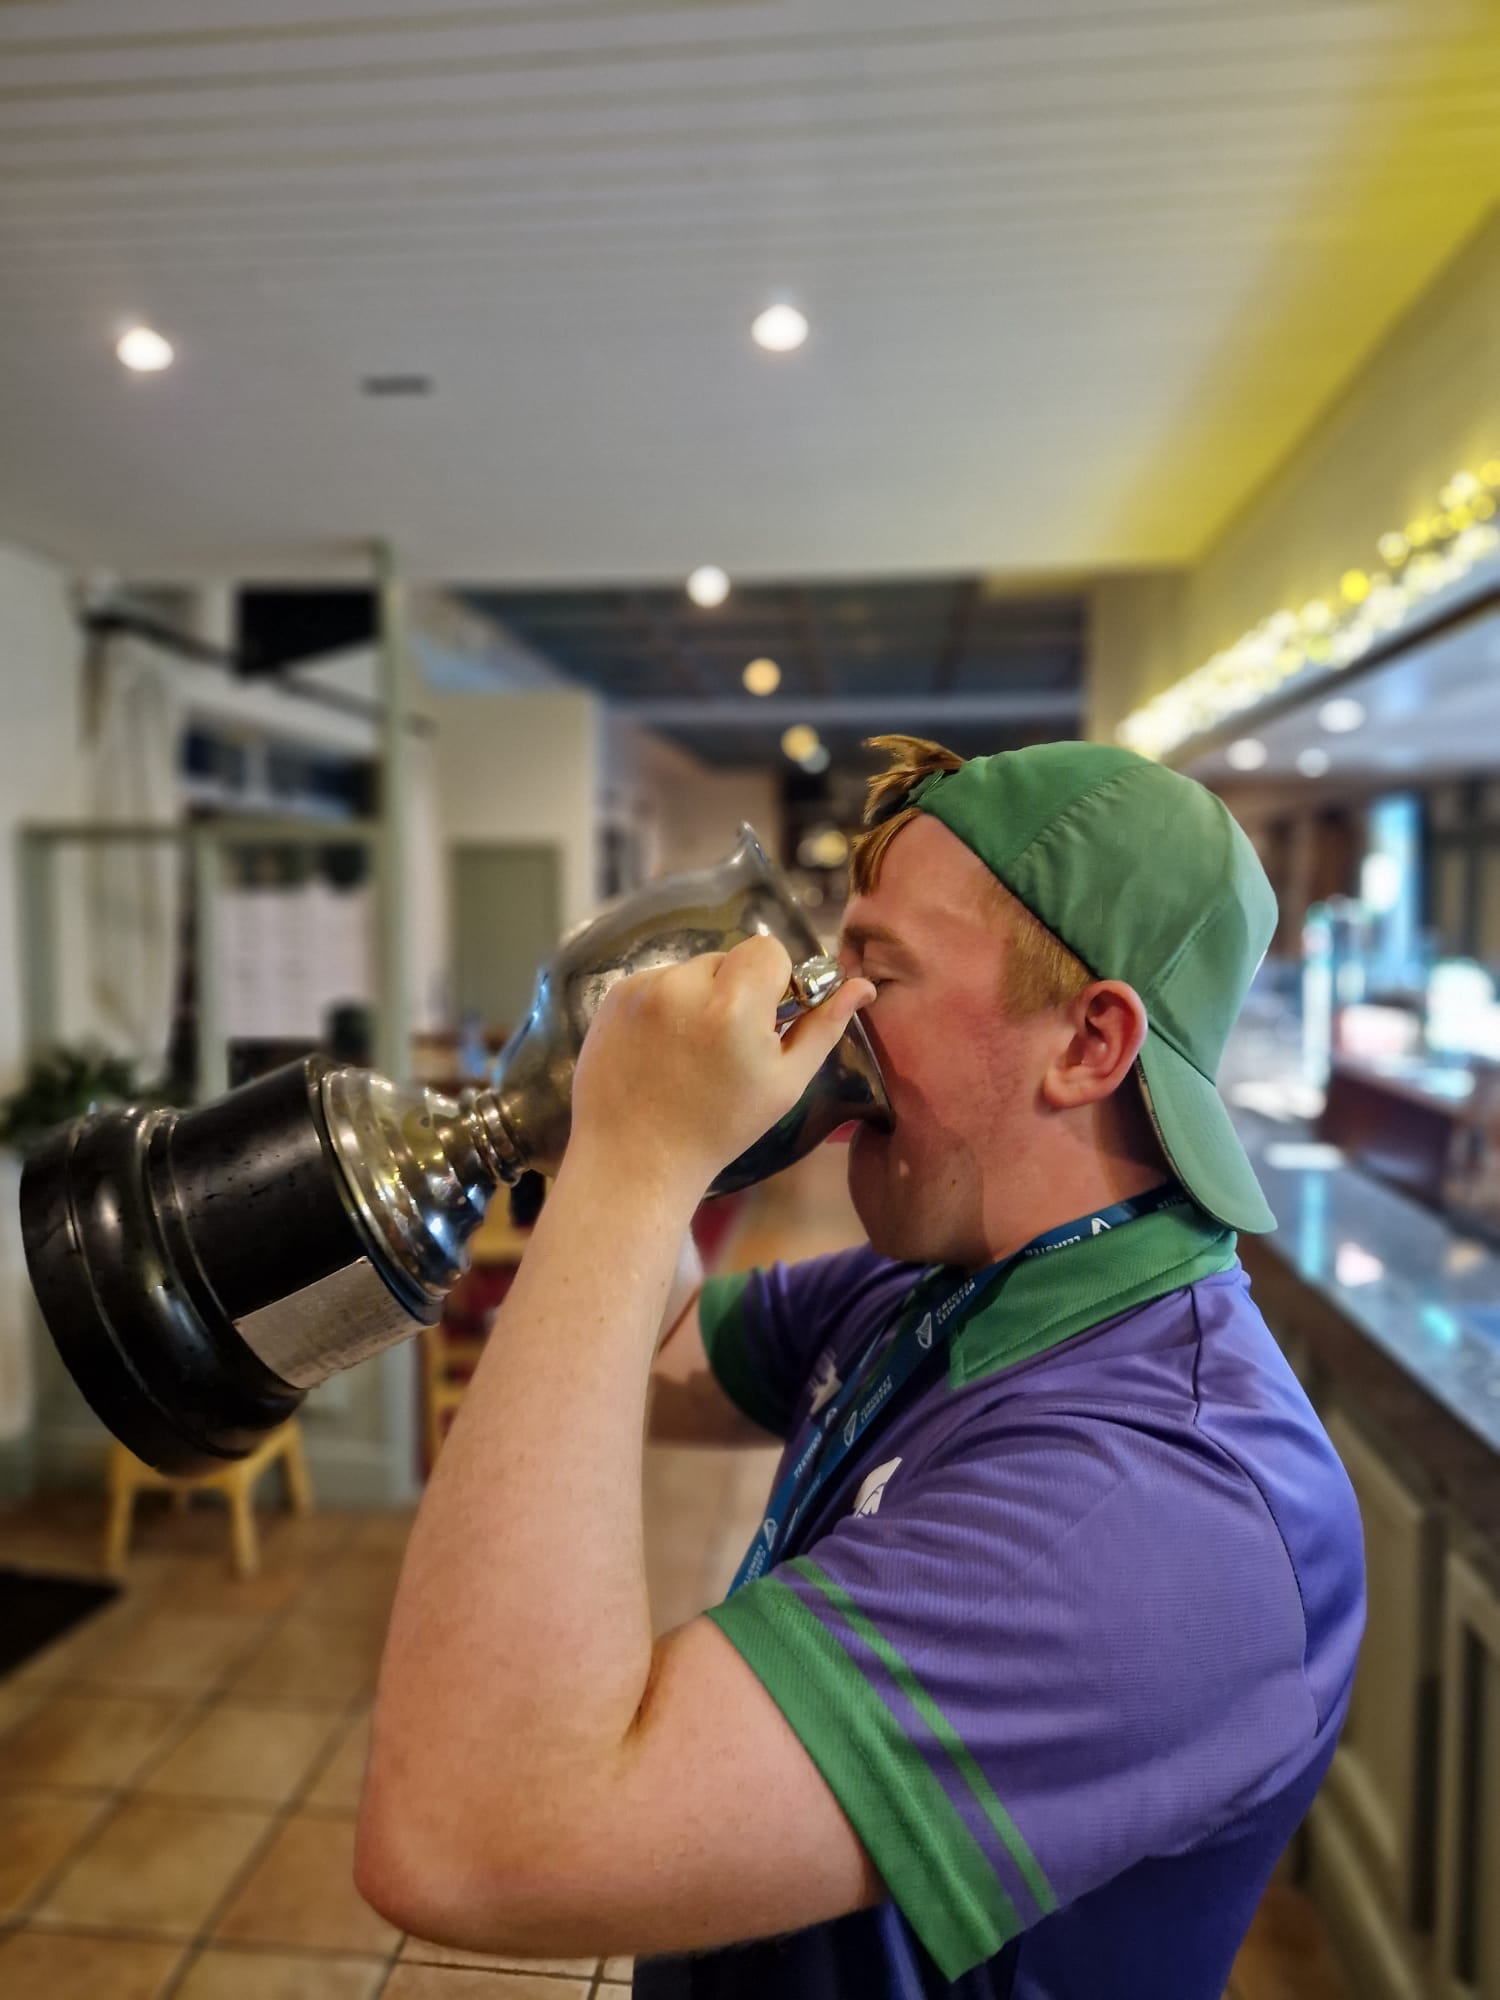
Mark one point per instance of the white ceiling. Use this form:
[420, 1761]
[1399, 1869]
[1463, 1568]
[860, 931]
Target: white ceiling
[1079, 272]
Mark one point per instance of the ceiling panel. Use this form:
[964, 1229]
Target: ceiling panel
[1079, 272]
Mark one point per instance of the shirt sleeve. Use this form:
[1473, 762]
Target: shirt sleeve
[1044, 1657]
[764, 1329]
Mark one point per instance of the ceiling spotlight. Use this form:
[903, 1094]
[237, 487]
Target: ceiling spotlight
[817, 761]
[1246, 753]
[1341, 715]
[800, 741]
[1313, 762]
[143, 350]
[779, 329]
[708, 586]
[762, 677]
[823, 847]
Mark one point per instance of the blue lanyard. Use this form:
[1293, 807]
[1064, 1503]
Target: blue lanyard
[922, 1327]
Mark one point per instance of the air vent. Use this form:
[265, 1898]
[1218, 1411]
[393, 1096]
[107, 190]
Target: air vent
[397, 385]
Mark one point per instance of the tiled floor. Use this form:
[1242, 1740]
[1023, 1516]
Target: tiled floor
[179, 1778]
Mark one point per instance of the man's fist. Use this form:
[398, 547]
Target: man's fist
[686, 1062]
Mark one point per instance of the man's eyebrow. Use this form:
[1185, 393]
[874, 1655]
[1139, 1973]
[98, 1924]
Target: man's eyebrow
[859, 935]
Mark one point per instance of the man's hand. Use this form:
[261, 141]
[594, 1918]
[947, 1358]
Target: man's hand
[686, 1060]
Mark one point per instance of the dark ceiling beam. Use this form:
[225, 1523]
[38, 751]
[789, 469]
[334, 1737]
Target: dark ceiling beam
[896, 711]
[966, 602]
[804, 617]
[656, 634]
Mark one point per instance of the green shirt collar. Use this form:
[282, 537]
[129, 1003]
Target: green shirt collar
[1040, 1302]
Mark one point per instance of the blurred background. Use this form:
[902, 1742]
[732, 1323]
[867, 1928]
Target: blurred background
[459, 462]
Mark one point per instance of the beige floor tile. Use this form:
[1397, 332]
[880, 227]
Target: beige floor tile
[387, 1530]
[619, 1969]
[224, 1974]
[68, 1656]
[207, 1583]
[356, 1583]
[441, 1982]
[38, 1830]
[254, 1755]
[302, 1894]
[172, 1652]
[416, 1951]
[89, 1739]
[37, 1966]
[17, 1701]
[314, 1660]
[340, 1783]
[157, 1866]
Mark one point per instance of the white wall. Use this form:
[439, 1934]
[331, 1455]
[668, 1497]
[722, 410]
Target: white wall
[512, 768]
[1424, 405]
[686, 813]
[41, 770]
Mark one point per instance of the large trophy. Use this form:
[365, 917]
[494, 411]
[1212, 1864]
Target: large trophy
[201, 1270]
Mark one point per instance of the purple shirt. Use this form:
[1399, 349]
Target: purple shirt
[1071, 1636]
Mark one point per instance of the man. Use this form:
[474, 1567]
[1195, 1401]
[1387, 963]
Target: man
[1049, 1633]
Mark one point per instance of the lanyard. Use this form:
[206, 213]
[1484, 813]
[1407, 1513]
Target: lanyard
[923, 1324]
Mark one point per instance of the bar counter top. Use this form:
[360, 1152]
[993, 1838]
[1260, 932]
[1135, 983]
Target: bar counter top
[1392, 1301]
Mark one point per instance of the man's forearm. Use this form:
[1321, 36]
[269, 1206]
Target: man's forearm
[520, 1647]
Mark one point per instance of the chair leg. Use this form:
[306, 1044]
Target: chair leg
[243, 1539]
[298, 1486]
[117, 1528]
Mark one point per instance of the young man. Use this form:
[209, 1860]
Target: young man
[1049, 1633]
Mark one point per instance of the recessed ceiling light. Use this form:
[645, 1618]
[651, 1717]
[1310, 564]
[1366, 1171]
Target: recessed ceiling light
[1246, 753]
[708, 586]
[396, 385]
[1313, 762]
[779, 329]
[143, 350]
[800, 741]
[762, 677]
[1341, 715]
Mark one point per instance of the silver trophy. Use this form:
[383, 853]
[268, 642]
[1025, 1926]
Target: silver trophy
[201, 1270]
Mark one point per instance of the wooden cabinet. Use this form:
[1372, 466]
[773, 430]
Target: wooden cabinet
[1370, 1833]
[1468, 1877]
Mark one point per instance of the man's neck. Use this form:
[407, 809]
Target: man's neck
[1032, 1210]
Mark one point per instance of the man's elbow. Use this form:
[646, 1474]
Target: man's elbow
[428, 1868]
[413, 1863]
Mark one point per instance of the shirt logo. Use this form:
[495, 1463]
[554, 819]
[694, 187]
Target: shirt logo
[827, 1385]
[1100, 1225]
[768, 1529]
[851, 1428]
[867, 1500]
[924, 1331]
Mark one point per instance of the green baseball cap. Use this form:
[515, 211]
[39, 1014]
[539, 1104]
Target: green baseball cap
[1146, 877]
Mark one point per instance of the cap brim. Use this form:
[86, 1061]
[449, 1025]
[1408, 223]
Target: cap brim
[1199, 1139]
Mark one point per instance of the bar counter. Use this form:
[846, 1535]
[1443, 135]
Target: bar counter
[1390, 1314]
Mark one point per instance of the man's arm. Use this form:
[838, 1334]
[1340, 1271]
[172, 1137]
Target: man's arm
[543, 1779]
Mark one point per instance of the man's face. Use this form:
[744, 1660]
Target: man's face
[963, 1077]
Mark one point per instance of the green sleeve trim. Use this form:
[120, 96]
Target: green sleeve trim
[721, 1316]
[956, 1750]
[928, 1859]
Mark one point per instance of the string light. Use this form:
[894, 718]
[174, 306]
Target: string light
[1430, 553]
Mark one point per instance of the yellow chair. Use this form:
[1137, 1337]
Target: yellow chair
[236, 1481]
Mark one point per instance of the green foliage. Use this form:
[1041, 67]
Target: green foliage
[64, 1084]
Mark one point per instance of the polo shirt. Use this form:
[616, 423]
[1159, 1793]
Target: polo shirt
[1070, 1635]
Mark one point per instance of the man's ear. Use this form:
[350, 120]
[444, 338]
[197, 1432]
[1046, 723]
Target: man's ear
[1104, 1028]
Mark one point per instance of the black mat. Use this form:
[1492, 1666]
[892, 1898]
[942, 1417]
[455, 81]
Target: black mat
[35, 1609]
